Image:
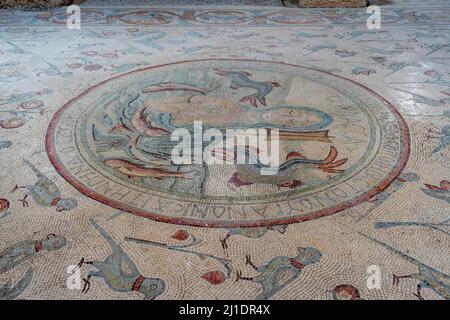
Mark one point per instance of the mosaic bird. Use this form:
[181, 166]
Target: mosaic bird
[429, 277]
[394, 187]
[23, 251]
[417, 98]
[344, 53]
[444, 139]
[280, 271]
[252, 233]
[45, 192]
[5, 144]
[214, 277]
[120, 273]
[318, 48]
[441, 226]
[17, 98]
[397, 66]
[441, 192]
[8, 292]
[288, 174]
[363, 70]
[52, 70]
[240, 79]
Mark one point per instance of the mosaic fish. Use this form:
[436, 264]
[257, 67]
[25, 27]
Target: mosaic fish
[134, 170]
[5, 144]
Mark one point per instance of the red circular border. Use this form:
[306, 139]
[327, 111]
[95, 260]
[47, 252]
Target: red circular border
[215, 224]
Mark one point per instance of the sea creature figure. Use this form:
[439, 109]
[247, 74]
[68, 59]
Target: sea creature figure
[134, 170]
[168, 86]
[141, 121]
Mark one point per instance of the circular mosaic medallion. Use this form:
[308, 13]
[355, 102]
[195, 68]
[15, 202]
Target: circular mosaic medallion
[60, 17]
[146, 17]
[340, 143]
[295, 17]
[222, 17]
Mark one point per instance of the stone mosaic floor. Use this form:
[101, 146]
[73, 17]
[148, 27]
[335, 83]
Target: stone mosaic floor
[87, 188]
